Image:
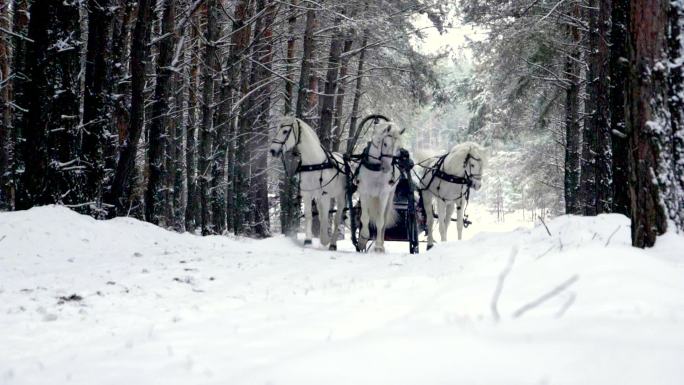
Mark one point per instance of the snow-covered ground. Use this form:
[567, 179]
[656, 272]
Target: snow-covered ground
[124, 302]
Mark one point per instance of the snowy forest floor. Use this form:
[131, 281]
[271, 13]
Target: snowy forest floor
[125, 302]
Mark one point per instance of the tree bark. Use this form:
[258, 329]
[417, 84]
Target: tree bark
[53, 165]
[289, 210]
[357, 95]
[192, 198]
[572, 129]
[96, 99]
[207, 128]
[330, 90]
[121, 188]
[160, 122]
[338, 128]
[646, 120]
[307, 64]
[5, 109]
[618, 73]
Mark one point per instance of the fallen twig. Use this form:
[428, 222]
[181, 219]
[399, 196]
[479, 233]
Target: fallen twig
[556, 290]
[545, 226]
[499, 284]
[611, 235]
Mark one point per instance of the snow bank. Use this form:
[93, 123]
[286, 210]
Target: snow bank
[122, 301]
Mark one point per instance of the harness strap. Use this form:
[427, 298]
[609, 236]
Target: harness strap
[315, 167]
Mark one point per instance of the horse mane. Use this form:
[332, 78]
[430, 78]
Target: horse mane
[454, 161]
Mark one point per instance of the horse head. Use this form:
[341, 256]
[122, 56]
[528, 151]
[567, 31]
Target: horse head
[387, 139]
[474, 163]
[286, 137]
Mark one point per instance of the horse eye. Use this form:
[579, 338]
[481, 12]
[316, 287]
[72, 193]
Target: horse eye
[384, 144]
[285, 132]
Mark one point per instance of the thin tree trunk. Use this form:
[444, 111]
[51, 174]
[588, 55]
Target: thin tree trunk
[307, 64]
[358, 91]
[338, 128]
[160, 122]
[572, 129]
[328, 97]
[192, 204]
[618, 72]
[5, 109]
[289, 210]
[207, 128]
[119, 193]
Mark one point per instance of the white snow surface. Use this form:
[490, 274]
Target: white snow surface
[577, 307]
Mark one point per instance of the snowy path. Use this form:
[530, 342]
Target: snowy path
[163, 308]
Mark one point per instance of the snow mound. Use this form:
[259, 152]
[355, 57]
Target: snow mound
[122, 301]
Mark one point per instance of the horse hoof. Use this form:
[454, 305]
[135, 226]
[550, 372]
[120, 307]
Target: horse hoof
[379, 249]
[332, 247]
[307, 242]
[429, 246]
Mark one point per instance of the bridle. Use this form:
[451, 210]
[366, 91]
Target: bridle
[467, 164]
[297, 136]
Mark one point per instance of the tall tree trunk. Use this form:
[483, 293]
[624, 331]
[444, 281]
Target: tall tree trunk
[261, 101]
[596, 178]
[243, 136]
[20, 77]
[96, 99]
[192, 198]
[572, 129]
[307, 63]
[338, 128]
[207, 127]
[121, 188]
[159, 122]
[328, 97]
[289, 210]
[618, 73]
[5, 109]
[358, 91]
[223, 191]
[53, 165]
[649, 127]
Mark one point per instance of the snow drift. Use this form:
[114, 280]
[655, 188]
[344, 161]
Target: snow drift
[122, 301]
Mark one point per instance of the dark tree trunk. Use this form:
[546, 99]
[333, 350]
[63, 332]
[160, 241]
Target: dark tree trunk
[5, 109]
[338, 128]
[207, 127]
[646, 119]
[243, 136]
[307, 63]
[53, 171]
[192, 199]
[261, 101]
[572, 129]
[328, 97]
[20, 76]
[96, 99]
[596, 179]
[289, 204]
[358, 91]
[121, 188]
[159, 122]
[618, 73]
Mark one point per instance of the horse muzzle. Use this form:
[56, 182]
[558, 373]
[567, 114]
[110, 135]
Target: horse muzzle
[276, 153]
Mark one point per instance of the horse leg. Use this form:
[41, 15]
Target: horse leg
[383, 201]
[459, 217]
[323, 204]
[447, 219]
[365, 223]
[429, 216]
[441, 212]
[308, 217]
[339, 200]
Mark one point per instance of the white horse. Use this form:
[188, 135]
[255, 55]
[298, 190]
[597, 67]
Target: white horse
[448, 178]
[321, 175]
[377, 179]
